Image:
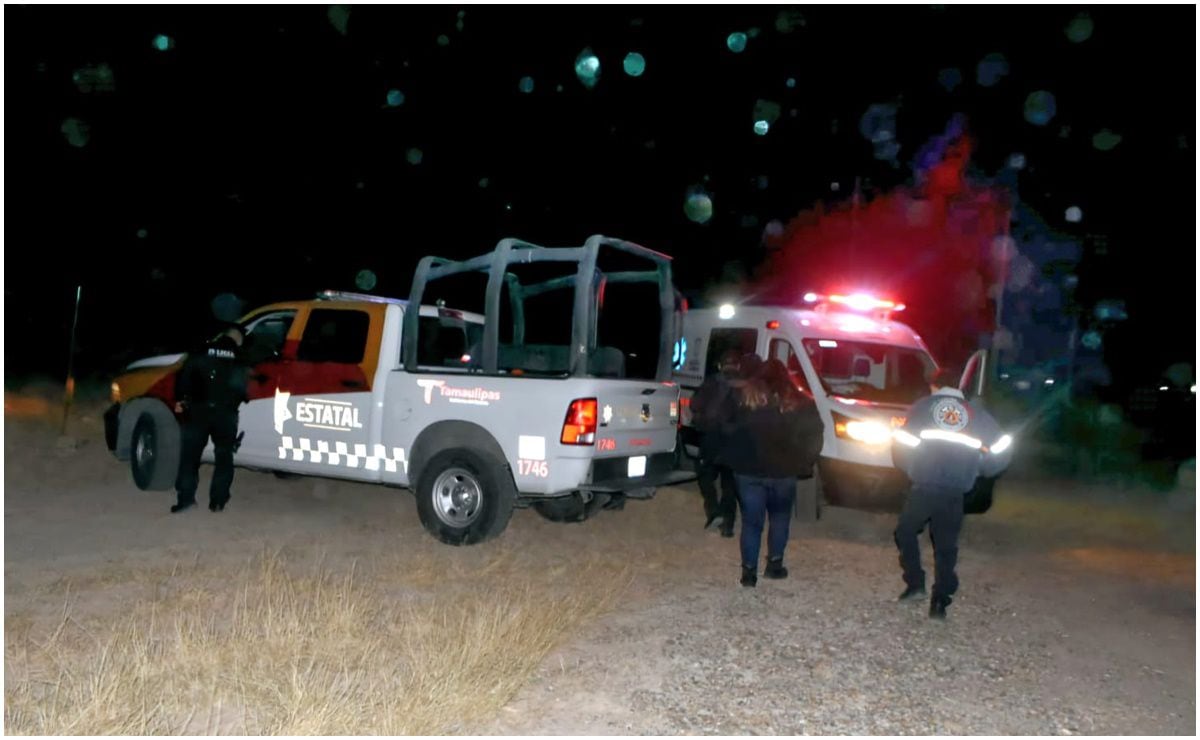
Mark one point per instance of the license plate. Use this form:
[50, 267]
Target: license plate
[637, 466]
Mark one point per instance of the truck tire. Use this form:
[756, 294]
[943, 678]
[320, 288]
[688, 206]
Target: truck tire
[464, 497]
[576, 507]
[154, 450]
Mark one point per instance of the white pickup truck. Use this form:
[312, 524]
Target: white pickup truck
[456, 405]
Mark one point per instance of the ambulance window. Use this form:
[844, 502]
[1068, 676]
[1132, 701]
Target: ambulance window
[333, 335]
[781, 350]
[720, 341]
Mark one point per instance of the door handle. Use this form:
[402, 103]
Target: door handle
[352, 384]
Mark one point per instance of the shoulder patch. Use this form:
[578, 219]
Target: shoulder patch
[950, 414]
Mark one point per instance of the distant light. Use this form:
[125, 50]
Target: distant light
[587, 68]
[736, 42]
[791, 82]
[1004, 376]
[1049, 381]
[1105, 140]
[1040, 107]
[1193, 389]
[811, 297]
[414, 156]
[1080, 28]
[634, 64]
[726, 311]
[163, 42]
[1074, 214]
[365, 280]
[827, 343]
[698, 207]
[525, 85]
[395, 98]
[464, 359]
[1163, 388]
[761, 128]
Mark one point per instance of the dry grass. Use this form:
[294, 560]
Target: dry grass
[316, 652]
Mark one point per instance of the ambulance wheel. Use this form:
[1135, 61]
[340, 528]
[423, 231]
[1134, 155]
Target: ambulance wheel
[464, 497]
[154, 450]
[576, 507]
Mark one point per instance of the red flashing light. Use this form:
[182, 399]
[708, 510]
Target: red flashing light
[772, 324]
[579, 428]
[864, 302]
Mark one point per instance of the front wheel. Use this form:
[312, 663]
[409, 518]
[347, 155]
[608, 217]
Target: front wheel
[154, 451]
[464, 497]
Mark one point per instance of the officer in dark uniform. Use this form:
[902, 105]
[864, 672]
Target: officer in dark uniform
[712, 406]
[208, 390]
[943, 446]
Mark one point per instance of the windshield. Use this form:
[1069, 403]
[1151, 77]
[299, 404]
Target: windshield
[881, 373]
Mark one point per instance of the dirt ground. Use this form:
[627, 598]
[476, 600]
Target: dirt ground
[1076, 613]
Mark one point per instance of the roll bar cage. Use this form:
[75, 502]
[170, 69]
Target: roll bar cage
[588, 283]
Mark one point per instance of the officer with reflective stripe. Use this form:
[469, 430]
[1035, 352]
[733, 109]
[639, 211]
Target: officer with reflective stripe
[943, 446]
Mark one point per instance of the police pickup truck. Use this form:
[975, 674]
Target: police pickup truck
[477, 412]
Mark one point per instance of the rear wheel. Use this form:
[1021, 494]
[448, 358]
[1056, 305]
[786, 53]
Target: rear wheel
[155, 450]
[464, 497]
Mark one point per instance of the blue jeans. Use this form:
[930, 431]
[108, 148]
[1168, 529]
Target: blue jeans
[762, 498]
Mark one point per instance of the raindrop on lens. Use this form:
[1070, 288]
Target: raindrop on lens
[761, 128]
[163, 42]
[698, 207]
[1080, 28]
[414, 155]
[395, 98]
[991, 69]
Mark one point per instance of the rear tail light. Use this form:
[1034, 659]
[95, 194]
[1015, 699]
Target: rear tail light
[579, 428]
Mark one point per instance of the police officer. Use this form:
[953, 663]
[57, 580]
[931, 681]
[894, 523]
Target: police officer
[712, 406]
[943, 446]
[208, 390]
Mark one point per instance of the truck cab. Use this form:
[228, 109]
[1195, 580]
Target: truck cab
[861, 367]
[476, 411]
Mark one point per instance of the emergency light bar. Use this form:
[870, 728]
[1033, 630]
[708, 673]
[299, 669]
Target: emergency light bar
[860, 302]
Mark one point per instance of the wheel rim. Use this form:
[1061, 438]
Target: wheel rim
[144, 449]
[457, 497]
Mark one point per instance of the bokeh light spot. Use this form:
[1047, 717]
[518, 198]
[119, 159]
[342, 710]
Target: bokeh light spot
[1106, 140]
[1040, 107]
[753, 32]
[483, 182]
[1074, 214]
[1080, 28]
[142, 233]
[950, 78]
[791, 82]
[414, 155]
[736, 42]
[1091, 340]
[163, 42]
[77, 132]
[1016, 161]
[339, 18]
[525, 85]
[395, 98]
[226, 307]
[789, 20]
[761, 128]
[587, 68]
[94, 78]
[365, 280]
[635, 64]
[698, 207]
[991, 69]
[443, 40]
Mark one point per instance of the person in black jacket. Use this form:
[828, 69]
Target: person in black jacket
[208, 390]
[775, 437]
[711, 408]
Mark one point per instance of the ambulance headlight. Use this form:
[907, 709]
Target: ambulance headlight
[1002, 444]
[867, 431]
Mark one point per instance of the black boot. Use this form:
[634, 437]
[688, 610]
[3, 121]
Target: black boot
[216, 505]
[183, 506]
[726, 528]
[911, 593]
[713, 520]
[775, 569]
[749, 576]
[937, 607]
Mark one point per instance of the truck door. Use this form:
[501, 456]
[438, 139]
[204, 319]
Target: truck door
[267, 350]
[322, 410]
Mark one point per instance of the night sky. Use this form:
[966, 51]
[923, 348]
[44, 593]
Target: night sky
[258, 153]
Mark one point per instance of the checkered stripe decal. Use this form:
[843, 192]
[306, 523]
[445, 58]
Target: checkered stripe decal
[352, 456]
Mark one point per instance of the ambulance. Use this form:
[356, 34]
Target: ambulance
[862, 367]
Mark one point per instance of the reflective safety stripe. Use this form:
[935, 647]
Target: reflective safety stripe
[905, 438]
[1002, 444]
[957, 437]
[342, 454]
